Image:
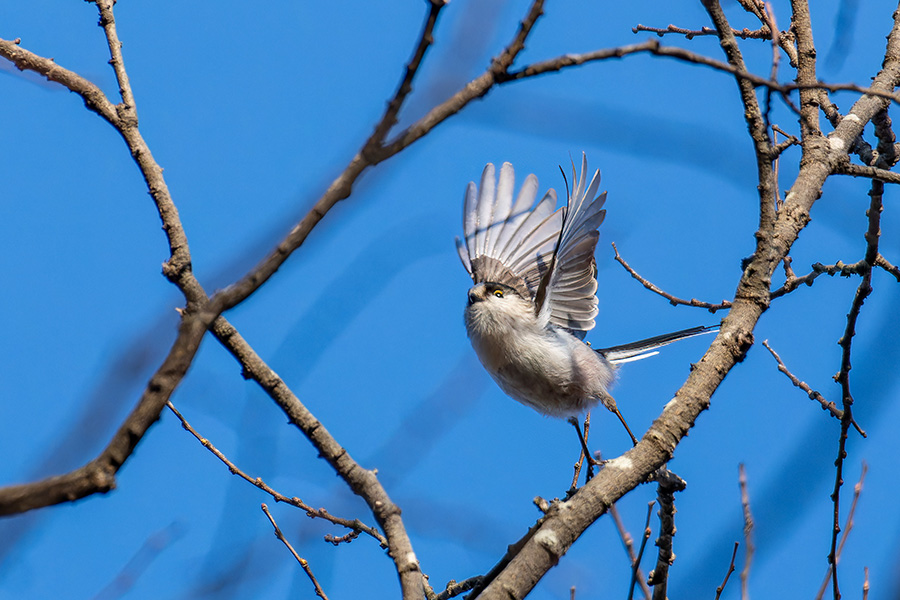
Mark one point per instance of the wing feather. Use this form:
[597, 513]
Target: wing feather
[519, 212]
[571, 294]
[502, 207]
[536, 247]
[486, 196]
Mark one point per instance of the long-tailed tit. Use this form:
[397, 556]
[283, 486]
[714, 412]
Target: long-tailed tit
[535, 294]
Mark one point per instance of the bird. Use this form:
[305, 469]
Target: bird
[534, 296]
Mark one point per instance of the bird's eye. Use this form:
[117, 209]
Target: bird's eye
[498, 293]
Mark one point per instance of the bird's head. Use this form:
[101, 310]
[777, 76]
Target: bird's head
[494, 307]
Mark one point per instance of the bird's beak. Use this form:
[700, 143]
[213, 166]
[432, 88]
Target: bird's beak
[473, 297]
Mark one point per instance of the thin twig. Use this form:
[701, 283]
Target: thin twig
[653, 46]
[827, 405]
[303, 562]
[882, 262]
[454, 588]
[674, 301]
[637, 561]
[757, 34]
[792, 283]
[769, 15]
[128, 110]
[628, 543]
[848, 525]
[721, 588]
[426, 39]
[581, 456]
[355, 525]
[787, 143]
[748, 533]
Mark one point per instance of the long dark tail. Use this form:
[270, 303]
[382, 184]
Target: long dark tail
[646, 348]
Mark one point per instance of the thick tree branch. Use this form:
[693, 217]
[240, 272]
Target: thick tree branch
[565, 521]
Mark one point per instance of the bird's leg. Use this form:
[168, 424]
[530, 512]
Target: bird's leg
[591, 461]
[621, 418]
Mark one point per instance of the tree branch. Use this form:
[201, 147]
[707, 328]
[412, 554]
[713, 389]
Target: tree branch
[828, 406]
[355, 525]
[673, 300]
[555, 533]
[668, 484]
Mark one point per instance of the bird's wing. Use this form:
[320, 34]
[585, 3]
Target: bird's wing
[567, 293]
[509, 241]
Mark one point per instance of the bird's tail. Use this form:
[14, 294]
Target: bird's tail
[647, 348]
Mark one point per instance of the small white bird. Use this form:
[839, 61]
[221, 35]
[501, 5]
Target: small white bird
[535, 290]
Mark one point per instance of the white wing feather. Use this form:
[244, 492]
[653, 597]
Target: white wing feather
[529, 239]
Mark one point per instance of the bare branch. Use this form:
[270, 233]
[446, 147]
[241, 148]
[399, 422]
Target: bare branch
[653, 46]
[536, 554]
[304, 564]
[762, 33]
[355, 525]
[668, 484]
[843, 377]
[362, 482]
[98, 476]
[848, 525]
[882, 262]
[728, 573]
[806, 69]
[787, 143]
[757, 124]
[127, 110]
[628, 543]
[454, 589]
[827, 405]
[372, 154]
[426, 39]
[674, 301]
[748, 532]
[94, 98]
[635, 566]
[870, 172]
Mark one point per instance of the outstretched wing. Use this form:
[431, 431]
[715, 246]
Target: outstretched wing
[568, 292]
[506, 241]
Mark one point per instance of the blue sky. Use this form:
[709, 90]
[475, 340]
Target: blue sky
[252, 112]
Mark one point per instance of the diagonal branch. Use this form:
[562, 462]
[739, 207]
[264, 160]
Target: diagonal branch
[355, 525]
[827, 405]
[304, 564]
[565, 521]
[673, 300]
[370, 156]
